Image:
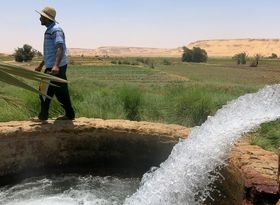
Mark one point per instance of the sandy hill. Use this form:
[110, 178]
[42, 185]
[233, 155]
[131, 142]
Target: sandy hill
[230, 47]
[264, 47]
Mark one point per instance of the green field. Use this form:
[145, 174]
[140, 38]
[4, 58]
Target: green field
[151, 89]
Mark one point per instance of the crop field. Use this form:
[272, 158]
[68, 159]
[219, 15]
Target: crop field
[150, 89]
[123, 73]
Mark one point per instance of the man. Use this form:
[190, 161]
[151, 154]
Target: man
[55, 61]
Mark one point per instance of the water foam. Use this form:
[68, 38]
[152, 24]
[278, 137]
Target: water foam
[186, 176]
[69, 190]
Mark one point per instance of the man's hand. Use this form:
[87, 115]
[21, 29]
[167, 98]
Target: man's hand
[55, 70]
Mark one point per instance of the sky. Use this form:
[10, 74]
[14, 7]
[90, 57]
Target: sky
[139, 23]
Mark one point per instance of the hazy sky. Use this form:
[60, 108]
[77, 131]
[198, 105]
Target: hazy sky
[139, 23]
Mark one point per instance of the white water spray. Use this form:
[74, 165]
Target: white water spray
[185, 177]
[69, 190]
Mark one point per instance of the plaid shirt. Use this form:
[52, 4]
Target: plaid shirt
[54, 35]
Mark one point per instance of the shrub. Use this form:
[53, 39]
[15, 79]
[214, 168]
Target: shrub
[255, 61]
[72, 62]
[131, 100]
[26, 53]
[141, 60]
[193, 108]
[273, 56]
[166, 62]
[146, 61]
[37, 53]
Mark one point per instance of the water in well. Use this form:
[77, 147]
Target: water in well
[69, 190]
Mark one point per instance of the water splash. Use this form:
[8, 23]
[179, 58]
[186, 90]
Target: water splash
[69, 190]
[186, 176]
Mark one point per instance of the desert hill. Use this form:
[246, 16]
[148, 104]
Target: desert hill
[264, 47]
[218, 48]
[126, 51]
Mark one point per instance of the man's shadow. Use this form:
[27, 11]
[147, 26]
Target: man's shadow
[47, 123]
[68, 123]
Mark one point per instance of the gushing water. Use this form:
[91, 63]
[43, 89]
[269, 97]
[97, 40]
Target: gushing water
[186, 176]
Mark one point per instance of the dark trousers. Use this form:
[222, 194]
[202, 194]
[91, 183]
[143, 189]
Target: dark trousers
[61, 93]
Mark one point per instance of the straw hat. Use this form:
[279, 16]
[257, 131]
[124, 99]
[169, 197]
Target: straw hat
[49, 13]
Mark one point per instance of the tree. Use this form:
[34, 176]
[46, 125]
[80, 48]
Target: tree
[240, 58]
[273, 56]
[26, 53]
[199, 55]
[195, 55]
[187, 55]
[37, 53]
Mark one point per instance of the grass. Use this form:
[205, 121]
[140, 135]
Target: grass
[161, 93]
[267, 136]
[168, 92]
[130, 97]
[224, 74]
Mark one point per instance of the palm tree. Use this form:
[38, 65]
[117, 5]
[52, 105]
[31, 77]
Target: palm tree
[8, 74]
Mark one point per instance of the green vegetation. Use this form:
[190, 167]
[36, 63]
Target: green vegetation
[267, 136]
[131, 100]
[169, 92]
[273, 56]
[241, 58]
[5, 57]
[196, 55]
